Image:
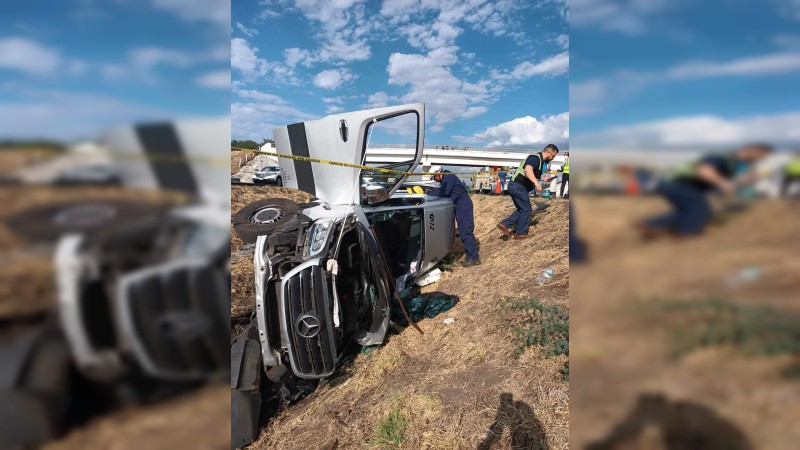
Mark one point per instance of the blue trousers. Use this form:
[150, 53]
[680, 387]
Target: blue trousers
[466, 225]
[691, 211]
[577, 248]
[521, 218]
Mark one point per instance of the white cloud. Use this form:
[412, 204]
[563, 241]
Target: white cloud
[217, 12]
[333, 78]
[295, 56]
[244, 59]
[431, 37]
[333, 100]
[333, 109]
[593, 96]
[700, 131]
[380, 99]
[563, 41]
[524, 131]
[549, 67]
[789, 41]
[788, 8]
[28, 56]
[146, 58]
[257, 113]
[249, 32]
[630, 17]
[430, 80]
[219, 79]
[498, 18]
[63, 115]
[772, 64]
[587, 97]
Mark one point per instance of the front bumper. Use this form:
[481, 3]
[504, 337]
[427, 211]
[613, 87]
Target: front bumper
[265, 180]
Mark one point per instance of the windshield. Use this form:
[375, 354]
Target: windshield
[270, 170]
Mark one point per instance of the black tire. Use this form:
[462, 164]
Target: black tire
[272, 213]
[26, 420]
[280, 182]
[51, 221]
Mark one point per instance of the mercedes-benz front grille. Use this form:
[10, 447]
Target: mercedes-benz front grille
[312, 346]
[179, 322]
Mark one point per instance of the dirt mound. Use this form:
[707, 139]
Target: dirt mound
[200, 420]
[458, 385]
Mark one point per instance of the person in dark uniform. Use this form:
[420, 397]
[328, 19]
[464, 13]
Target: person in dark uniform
[525, 180]
[687, 187]
[453, 188]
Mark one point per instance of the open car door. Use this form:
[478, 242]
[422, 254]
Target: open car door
[349, 138]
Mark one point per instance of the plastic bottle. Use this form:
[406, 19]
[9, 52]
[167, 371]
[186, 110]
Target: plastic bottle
[743, 276]
[544, 277]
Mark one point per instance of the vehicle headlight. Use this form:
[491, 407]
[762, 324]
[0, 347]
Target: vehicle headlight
[318, 237]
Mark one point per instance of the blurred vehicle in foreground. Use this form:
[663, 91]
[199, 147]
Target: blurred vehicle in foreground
[143, 289]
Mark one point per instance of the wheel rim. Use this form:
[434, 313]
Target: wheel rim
[85, 215]
[267, 214]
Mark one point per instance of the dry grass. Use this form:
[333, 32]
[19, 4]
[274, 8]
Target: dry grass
[12, 160]
[236, 159]
[448, 382]
[622, 337]
[198, 420]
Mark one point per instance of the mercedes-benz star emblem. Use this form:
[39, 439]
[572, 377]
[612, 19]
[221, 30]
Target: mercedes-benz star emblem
[308, 326]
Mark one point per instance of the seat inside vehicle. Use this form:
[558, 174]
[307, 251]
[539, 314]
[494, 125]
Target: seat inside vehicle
[399, 233]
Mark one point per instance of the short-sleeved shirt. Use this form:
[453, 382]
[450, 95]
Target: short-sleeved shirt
[725, 165]
[535, 161]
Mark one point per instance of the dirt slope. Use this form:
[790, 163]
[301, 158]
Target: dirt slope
[446, 385]
[622, 337]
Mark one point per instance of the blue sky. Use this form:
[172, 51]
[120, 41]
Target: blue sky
[680, 74]
[490, 72]
[70, 68]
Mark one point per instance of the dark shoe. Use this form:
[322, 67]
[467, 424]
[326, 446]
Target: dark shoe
[470, 262]
[522, 236]
[505, 230]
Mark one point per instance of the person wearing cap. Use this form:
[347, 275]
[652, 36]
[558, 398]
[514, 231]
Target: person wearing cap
[687, 187]
[454, 189]
[525, 180]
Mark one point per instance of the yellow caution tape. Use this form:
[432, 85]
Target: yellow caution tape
[339, 163]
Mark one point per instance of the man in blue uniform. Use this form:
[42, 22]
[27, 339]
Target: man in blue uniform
[525, 180]
[453, 188]
[687, 187]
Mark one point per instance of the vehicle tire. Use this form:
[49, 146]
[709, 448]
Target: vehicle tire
[280, 182]
[48, 369]
[26, 421]
[51, 221]
[263, 217]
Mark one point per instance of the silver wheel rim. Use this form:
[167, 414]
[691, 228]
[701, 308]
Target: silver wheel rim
[267, 214]
[85, 215]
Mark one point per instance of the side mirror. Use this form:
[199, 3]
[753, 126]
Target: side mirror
[373, 194]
